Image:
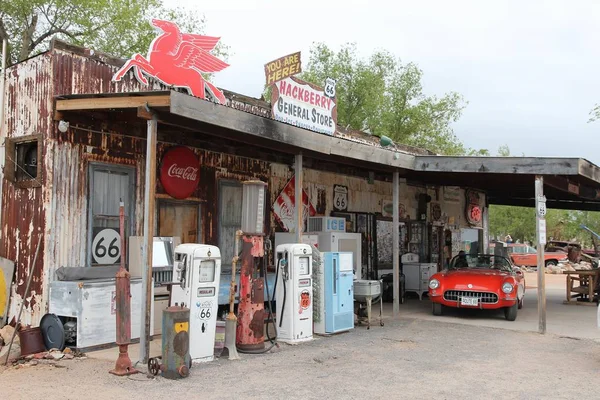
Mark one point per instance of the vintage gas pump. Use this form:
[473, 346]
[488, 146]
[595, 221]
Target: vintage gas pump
[293, 293]
[251, 316]
[196, 276]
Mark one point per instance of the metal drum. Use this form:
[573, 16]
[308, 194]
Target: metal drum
[176, 359]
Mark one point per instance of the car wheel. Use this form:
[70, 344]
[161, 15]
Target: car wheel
[437, 308]
[521, 302]
[551, 263]
[510, 313]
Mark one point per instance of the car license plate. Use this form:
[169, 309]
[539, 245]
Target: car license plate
[469, 301]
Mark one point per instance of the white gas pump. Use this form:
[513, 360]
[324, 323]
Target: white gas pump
[294, 293]
[196, 278]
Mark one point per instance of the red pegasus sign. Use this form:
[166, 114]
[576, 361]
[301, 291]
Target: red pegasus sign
[178, 59]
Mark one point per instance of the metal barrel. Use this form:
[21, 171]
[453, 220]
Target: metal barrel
[176, 358]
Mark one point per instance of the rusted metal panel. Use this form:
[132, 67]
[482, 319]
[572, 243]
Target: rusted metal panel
[27, 111]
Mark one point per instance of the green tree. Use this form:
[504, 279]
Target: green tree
[386, 97]
[595, 113]
[120, 28]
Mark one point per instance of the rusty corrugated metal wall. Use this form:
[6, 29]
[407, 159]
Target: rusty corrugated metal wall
[27, 112]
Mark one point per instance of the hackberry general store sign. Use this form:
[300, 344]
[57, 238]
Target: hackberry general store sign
[303, 105]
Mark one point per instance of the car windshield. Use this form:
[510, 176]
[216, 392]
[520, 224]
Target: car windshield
[480, 261]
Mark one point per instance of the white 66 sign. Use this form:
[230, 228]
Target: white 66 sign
[106, 246]
[330, 88]
[340, 198]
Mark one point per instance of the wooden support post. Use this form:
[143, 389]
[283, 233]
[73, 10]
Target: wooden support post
[396, 243]
[2, 132]
[298, 197]
[541, 241]
[149, 208]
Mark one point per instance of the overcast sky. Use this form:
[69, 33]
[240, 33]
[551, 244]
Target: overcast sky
[530, 70]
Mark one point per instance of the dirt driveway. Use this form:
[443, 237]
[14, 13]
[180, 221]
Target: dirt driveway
[405, 359]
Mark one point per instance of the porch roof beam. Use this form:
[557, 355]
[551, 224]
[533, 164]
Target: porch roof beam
[274, 131]
[99, 103]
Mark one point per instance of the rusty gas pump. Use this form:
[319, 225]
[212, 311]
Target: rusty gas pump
[250, 336]
[251, 317]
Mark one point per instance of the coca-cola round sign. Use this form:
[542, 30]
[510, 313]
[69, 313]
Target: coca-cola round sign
[180, 172]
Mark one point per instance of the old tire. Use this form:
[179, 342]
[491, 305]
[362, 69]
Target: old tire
[437, 308]
[510, 313]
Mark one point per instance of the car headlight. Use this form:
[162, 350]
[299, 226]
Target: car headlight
[434, 284]
[507, 287]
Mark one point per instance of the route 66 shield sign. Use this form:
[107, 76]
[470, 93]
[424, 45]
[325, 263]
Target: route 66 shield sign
[330, 88]
[340, 198]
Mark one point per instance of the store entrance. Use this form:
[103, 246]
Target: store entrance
[180, 219]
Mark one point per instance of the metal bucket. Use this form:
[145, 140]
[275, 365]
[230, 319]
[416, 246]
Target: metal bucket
[31, 341]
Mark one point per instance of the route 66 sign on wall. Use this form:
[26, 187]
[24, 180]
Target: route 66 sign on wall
[106, 246]
[340, 198]
[329, 88]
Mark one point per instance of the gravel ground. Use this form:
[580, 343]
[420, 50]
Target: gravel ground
[404, 359]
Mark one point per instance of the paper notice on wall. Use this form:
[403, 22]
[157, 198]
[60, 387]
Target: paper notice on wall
[542, 230]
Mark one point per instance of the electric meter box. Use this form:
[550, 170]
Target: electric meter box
[196, 279]
[294, 293]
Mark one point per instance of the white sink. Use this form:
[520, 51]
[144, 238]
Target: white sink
[364, 288]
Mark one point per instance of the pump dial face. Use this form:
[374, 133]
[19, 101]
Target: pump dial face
[303, 267]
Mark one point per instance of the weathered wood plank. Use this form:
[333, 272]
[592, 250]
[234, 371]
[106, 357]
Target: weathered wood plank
[98, 103]
[499, 165]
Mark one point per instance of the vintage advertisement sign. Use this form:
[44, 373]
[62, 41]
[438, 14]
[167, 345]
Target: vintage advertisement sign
[473, 208]
[451, 194]
[340, 198]
[285, 206]
[282, 68]
[387, 209]
[178, 59]
[303, 105]
[180, 172]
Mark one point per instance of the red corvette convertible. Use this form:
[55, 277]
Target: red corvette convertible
[478, 281]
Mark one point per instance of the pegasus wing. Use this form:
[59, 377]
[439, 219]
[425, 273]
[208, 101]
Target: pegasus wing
[204, 42]
[190, 56]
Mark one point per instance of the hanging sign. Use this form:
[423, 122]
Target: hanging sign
[282, 68]
[180, 172]
[451, 194]
[472, 208]
[178, 60]
[387, 209]
[303, 105]
[340, 198]
[284, 207]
